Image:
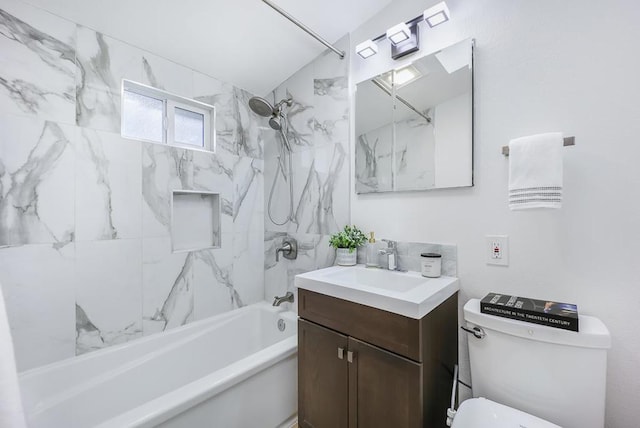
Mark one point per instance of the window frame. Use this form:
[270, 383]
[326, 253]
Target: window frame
[170, 131]
[169, 102]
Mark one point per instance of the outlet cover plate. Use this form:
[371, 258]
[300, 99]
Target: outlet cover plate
[497, 250]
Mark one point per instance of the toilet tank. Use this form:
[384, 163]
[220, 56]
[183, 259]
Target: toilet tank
[555, 374]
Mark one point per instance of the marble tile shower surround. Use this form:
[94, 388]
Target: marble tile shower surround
[314, 253]
[37, 173]
[318, 130]
[409, 256]
[85, 215]
[43, 83]
[238, 131]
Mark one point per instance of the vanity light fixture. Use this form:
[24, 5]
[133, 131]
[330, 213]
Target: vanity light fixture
[398, 33]
[437, 14]
[367, 49]
[404, 37]
[409, 45]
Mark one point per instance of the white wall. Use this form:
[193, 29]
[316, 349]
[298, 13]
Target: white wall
[541, 66]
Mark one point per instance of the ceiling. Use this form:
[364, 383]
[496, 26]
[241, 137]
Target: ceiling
[243, 42]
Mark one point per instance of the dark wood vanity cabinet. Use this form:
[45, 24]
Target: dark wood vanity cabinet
[322, 385]
[361, 367]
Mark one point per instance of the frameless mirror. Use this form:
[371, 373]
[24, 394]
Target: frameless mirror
[414, 125]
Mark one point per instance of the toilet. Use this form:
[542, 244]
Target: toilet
[531, 376]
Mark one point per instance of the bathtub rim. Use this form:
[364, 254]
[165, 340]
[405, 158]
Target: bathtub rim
[174, 402]
[169, 405]
[139, 342]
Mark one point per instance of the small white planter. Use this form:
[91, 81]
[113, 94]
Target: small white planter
[346, 258]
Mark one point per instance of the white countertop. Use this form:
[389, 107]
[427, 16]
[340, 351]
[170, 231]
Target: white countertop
[404, 293]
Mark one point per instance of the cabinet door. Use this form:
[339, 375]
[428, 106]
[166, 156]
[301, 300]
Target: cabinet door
[322, 377]
[384, 388]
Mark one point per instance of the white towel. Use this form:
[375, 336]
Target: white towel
[11, 410]
[535, 171]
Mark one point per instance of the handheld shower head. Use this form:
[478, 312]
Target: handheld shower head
[276, 122]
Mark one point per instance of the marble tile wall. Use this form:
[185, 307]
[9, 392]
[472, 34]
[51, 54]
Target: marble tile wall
[318, 131]
[85, 221]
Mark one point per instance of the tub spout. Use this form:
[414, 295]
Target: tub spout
[277, 301]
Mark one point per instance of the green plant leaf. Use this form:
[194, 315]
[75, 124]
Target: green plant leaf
[350, 237]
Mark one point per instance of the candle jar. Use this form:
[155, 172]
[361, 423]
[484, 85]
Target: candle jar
[431, 264]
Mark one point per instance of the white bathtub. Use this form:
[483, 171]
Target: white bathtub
[232, 370]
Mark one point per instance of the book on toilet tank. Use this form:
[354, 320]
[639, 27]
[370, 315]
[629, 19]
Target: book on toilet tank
[544, 312]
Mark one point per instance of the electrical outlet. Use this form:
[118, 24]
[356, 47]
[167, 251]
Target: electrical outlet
[497, 247]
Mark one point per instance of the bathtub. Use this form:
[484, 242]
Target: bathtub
[233, 370]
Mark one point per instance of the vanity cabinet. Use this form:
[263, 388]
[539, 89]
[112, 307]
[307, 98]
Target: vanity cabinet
[359, 366]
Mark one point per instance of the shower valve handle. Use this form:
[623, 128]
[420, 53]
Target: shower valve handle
[289, 249]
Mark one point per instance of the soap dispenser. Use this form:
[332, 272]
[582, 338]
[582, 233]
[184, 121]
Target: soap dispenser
[372, 252]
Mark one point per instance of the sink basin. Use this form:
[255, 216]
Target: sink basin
[405, 293]
[376, 278]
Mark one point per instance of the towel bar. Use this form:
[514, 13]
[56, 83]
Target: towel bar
[568, 141]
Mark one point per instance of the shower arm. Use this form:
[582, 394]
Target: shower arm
[306, 29]
[287, 101]
[384, 89]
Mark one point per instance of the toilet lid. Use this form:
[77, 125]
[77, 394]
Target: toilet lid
[483, 413]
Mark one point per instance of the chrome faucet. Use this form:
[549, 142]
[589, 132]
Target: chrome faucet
[392, 254]
[288, 297]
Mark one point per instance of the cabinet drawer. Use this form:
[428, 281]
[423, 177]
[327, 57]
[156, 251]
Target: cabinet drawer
[387, 330]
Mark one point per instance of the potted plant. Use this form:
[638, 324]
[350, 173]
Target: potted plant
[346, 243]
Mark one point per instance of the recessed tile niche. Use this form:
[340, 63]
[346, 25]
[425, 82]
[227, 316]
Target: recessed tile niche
[195, 220]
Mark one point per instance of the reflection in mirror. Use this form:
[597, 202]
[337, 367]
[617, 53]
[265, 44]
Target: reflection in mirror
[414, 130]
[414, 125]
[374, 138]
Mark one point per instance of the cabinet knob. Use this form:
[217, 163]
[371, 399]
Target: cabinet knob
[341, 353]
[350, 356]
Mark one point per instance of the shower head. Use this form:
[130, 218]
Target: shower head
[275, 114]
[276, 122]
[261, 107]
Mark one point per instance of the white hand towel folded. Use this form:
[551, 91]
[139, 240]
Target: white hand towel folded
[535, 171]
[11, 411]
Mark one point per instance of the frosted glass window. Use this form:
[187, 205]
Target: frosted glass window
[153, 115]
[189, 127]
[142, 117]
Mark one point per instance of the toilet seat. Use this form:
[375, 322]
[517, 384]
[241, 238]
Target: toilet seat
[483, 413]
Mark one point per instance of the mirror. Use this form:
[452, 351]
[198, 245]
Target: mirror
[414, 124]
